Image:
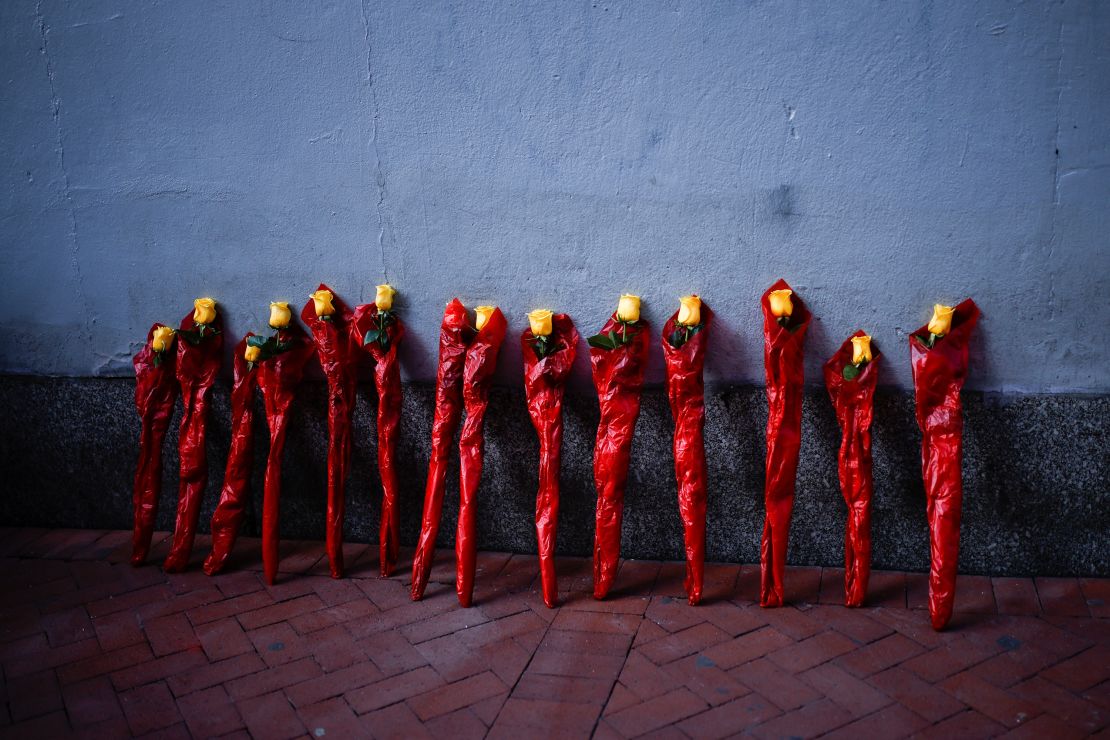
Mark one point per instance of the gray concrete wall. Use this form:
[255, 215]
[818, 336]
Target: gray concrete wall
[880, 156]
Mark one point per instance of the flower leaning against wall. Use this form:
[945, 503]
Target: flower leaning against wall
[199, 355]
[785, 321]
[330, 321]
[939, 359]
[155, 396]
[618, 358]
[850, 377]
[379, 331]
[549, 346]
[685, 336]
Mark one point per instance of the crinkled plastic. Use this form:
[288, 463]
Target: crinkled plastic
[155, 395]
[235, 493]
[197, 368]
[782, 357]
[938, 376]
[686, 393]
[544, 386]
[337, 348]
[481, 361]
[853, 401]
[619, 377]
[278, 377]
[453, 336]
[387, 379]
[467, 360]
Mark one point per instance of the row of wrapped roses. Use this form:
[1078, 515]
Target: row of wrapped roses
[340, 336]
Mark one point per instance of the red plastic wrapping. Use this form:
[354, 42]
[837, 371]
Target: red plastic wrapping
[337, 348]
[197, 367]
[155, 394]
[467, 360]
[481, 361]
[782, 357]
[686, 393]
[853, 401]
[387, 379]
[938, 376]
[544, 386]
[278, 377]
[619, 376]
[235, 493]
[453, 336]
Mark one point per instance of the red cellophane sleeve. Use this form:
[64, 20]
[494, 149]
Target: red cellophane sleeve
[853, 401]
[235, 494]
[619, 377]
[454, 337]
[387, 379]
[782, 357]
[278, 377]
[938, 376]
[544, 386]
[337, 348]
[686, 394]
[155, 395]
[478, 369]
[197, 368]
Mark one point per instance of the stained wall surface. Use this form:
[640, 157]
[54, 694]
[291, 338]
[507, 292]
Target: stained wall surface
[879, 156]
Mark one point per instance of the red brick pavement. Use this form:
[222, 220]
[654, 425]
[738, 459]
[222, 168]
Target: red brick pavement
[91, 646]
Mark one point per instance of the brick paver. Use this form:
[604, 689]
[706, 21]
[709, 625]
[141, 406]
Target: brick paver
[92, 646]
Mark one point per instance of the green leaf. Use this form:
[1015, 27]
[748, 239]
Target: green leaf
[189, 336]
[157, 359]
[383, 339]
[257, 341]
[602, 341]
[371, 336]
[851, 372]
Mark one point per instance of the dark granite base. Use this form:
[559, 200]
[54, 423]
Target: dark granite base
[1036, 472]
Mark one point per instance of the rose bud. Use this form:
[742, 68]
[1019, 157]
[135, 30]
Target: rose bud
[540, 321]
[942, 320]
[279, 315]
[689, 312]
[628, 309]
[252, 353]
[204, 311]
[384, 297]
[781, 305]
[861, 349]
[322, 300]
[482, 314]
[162, 339]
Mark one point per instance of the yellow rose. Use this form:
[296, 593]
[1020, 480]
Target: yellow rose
[540, 321]
[942, 320]
[384, 298]
[482, 314]
[279, 315]
[628, 309]
[252, 353]
[861, 349]
[322, 300]
[781, 305]
[689, 311]
[204, 311]
[162, 339]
